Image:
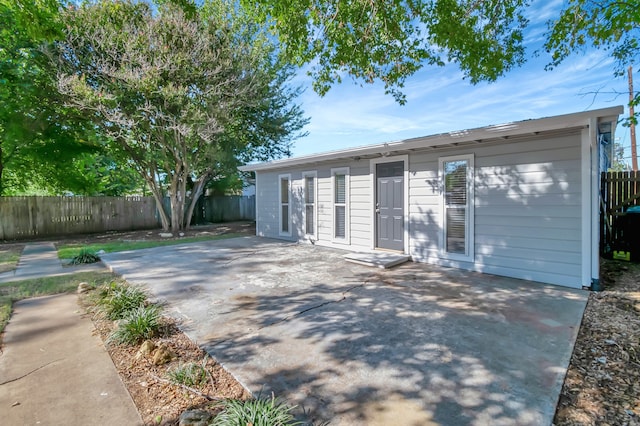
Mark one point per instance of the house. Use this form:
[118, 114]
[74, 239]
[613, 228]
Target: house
[518, 199]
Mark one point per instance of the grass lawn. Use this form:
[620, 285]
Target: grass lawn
[69, 251]
[9, 257]
[16, 290]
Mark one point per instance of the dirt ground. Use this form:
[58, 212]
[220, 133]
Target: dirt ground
[159, 401]
[602, 386]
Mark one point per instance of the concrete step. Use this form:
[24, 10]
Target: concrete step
[383, 260]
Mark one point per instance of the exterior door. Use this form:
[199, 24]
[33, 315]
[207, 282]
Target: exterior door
[390, 206]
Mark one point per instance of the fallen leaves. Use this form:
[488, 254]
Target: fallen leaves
[602, 385]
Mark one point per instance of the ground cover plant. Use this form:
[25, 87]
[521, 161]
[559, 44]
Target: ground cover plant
[85, 255]
[9, 257]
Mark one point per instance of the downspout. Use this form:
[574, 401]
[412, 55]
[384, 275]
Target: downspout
[594, 133]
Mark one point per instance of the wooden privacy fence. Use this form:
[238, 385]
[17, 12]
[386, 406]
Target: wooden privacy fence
[620, 190]
[33, 217]
[29, 217]
[226, 208]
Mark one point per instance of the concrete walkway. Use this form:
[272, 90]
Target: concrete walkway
[53, 369]
[41, 260]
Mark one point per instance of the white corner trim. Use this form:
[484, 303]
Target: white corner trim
[588, 139]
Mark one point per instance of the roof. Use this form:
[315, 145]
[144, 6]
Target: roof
[493, 133]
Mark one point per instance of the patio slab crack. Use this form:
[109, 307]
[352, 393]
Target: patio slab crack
[290, 317]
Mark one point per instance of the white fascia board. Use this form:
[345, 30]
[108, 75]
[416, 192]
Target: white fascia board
[505, 130]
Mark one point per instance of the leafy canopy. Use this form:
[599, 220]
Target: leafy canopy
[391, 40]
[183, 93]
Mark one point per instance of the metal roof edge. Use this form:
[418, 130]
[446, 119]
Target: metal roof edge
[505, 130]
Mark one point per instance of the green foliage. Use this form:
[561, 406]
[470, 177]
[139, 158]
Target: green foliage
[9, 257]
[39, 136]
[183, 92]
[388, 41]
[188, 374]
[118, 299]
[257, 412]
[137, 325]
[85, 256]
[608, 25]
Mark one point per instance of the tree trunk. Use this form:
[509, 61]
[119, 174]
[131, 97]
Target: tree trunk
[1, 170]
[195, 196]
[158, 196]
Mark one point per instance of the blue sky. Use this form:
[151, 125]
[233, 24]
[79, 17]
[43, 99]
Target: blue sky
[439, 100]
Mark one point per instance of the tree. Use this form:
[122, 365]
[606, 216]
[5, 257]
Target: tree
[391, 40]
[39, 137]
[183, 92]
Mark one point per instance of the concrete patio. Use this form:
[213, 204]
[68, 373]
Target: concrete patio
[351, 344]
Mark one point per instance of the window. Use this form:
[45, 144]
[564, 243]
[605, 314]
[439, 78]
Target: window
[285, 216]
[340, 204]
[309, 202]
[457, 207]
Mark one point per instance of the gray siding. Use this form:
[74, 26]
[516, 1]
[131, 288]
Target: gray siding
[359, 229]
[527, 210]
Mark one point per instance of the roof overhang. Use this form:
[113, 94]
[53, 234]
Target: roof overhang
[495, 133]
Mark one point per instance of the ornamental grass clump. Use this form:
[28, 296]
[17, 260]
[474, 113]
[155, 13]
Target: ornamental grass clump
[139, 324]
[118, 300]
[85, 256]
[189, 374]
[256, 412]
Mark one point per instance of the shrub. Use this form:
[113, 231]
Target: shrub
[257, 412]
[189, 374]
[85, 256]
[140, 324]
[118, 300]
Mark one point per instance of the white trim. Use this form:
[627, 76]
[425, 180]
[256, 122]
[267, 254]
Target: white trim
[314, 175]
[280, 178]
[347, 199]
[496, 132]
[258, 233]
[595, 200]
[372, 172]
[585, 211]
[470, 210]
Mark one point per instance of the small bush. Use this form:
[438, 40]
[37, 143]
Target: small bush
[85, 256]
[140, 324]
[189, 374]
[118, 300]
[257, 412]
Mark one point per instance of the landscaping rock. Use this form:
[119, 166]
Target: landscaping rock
[195, 418]
[146, 348]
[163, 355]
[84, 287]
[166, 234]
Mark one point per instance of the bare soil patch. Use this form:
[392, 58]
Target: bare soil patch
[602, 385]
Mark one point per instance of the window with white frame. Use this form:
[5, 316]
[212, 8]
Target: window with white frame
[285, 209]
[340, 203]
[309, 188]
[456, 175]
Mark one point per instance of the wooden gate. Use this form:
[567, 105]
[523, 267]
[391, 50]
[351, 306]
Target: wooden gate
[620, 190]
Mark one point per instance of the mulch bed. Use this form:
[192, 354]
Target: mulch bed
[602, 385]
